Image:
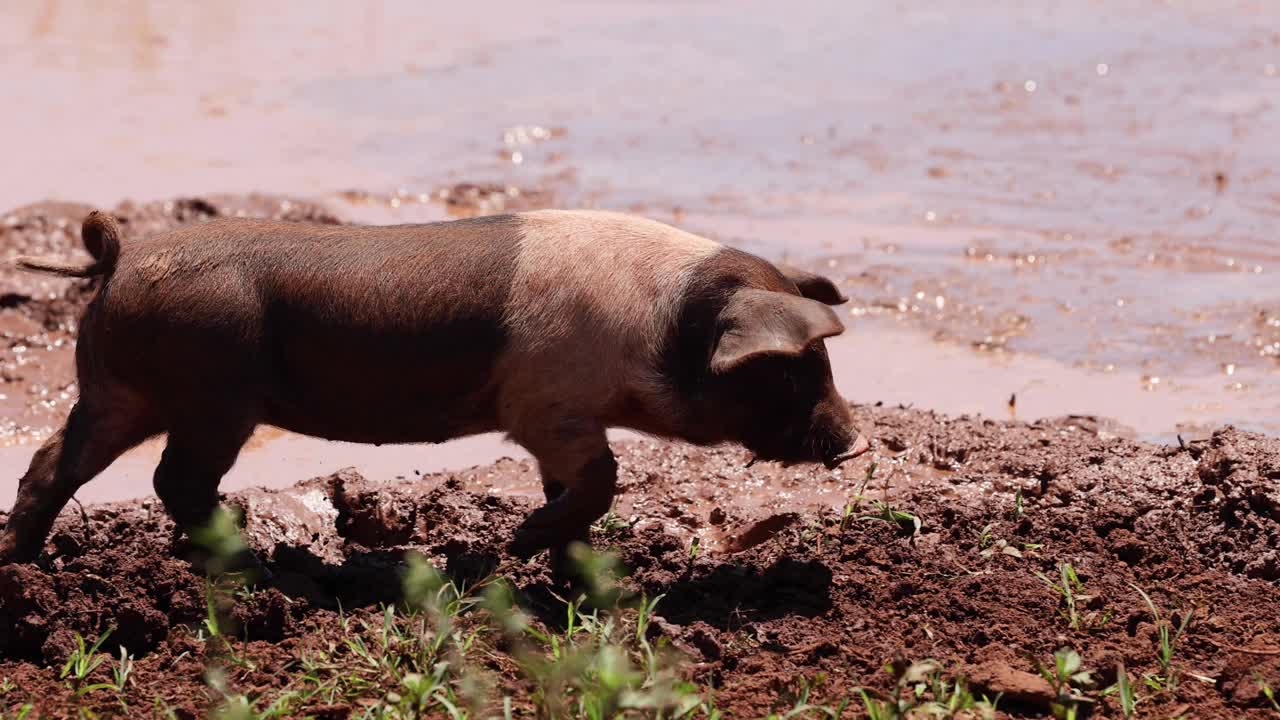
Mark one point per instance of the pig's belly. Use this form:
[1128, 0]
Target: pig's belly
[375, 417]
[356, 388]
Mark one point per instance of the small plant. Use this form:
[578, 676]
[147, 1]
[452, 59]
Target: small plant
[1071, 589]
[812, 534]
[1067, 677]
[903, 519]
[847, 516]
[7, 686]
[1124, 692]
[1017, 505]
[1267, 691]
[161, 709]
[221, 538]
[883, 510]
[594, 668]
[440, 645]
[433, 655]
[801, 706]
[419, 694]
[121, 671]
[226, 575]
[81, 664]
[1167, 637]
[21, 713]
[211, 622]
[240, 707]
[694, 546]
[880, 709]
[1003, 547]
[851, 509]
[922, 691]
[602, 572]
[989, 545]
[611, 524]
[867, 478]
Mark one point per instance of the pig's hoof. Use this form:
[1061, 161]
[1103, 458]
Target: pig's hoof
[563, 569]
[567, 570]
[537, 533]
[525, 545]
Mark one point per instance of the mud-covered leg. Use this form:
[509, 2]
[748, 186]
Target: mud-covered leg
[89, 441]
[188, 475]
[561, 563]
[577, 458]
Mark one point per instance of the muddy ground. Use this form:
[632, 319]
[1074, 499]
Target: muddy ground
[770, 575]
[783, 593]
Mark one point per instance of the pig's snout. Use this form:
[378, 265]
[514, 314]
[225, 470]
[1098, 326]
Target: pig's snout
[837, 438]
[859, 446]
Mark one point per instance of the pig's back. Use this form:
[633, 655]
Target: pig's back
[591, 302]
[406, 333]
[356, 333]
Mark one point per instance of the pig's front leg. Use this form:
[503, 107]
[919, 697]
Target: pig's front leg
[580, 476]
[561, 563]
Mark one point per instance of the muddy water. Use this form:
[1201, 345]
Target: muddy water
[1071, 206]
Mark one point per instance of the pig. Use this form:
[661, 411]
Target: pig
[550, 326]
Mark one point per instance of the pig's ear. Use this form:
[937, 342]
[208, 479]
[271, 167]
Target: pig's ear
[760, 323]
[813, 285]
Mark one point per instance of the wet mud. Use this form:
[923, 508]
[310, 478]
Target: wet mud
[798, 573]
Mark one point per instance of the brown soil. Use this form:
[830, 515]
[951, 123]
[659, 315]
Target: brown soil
[782, 592]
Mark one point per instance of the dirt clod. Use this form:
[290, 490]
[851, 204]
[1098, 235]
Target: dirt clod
[997, 678]
[759, 532]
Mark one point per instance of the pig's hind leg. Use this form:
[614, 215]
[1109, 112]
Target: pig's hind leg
[198, 453]
[95, 434]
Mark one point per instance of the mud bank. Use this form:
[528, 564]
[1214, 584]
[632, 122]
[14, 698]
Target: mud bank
[797, 574]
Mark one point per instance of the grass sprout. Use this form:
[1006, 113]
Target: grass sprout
[601, 663]
[922, 690]
[799, 703]
[82, 662]
[1124, 691]
[1167, 637]
[1067, 676]
[1267, 691]
[1071, 589]
[885, 512]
